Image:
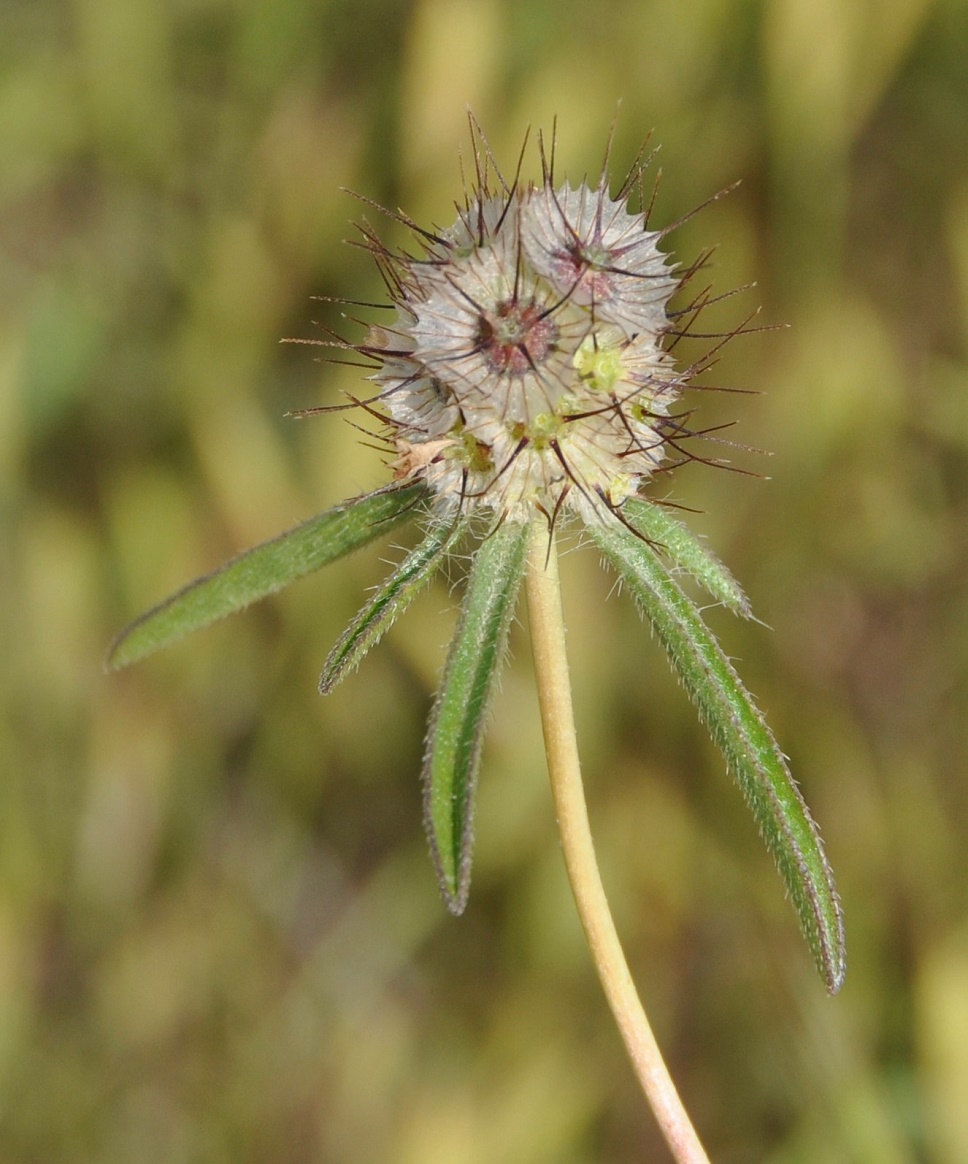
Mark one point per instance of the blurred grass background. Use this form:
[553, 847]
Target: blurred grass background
[220, 938]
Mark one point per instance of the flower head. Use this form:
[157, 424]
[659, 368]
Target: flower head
[525, 371]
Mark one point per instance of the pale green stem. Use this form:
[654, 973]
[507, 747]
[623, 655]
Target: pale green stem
[558, 723]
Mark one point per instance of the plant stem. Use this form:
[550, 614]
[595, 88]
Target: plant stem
[558, 724]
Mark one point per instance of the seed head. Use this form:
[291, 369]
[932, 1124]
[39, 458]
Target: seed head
[526, 369]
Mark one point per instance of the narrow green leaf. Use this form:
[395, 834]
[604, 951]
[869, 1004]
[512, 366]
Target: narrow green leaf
[747, 743]
[457, 722]
[265, 569]
[389, 602]
[688, 552]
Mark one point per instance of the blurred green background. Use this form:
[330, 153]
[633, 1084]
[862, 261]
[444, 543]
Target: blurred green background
[220, 937]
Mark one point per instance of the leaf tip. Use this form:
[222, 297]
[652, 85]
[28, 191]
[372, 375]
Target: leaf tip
[835, 979]
[119, 654]
[456, 902]
[833, 960]
[111, 662]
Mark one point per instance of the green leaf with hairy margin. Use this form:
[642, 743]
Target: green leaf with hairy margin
[266, 568]
[688, 552]
[390, 601]
[457, 722]
[747, 743]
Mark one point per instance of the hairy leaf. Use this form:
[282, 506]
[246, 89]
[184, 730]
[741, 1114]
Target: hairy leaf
[265, 569]
[687, 551]
[389, 602]
[460, 710]
[747, 743]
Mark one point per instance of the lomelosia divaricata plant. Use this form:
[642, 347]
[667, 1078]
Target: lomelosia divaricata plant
[527, 385]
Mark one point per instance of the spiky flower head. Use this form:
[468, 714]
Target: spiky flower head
[526, 370]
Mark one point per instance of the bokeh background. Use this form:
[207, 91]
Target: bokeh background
[220, 937]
